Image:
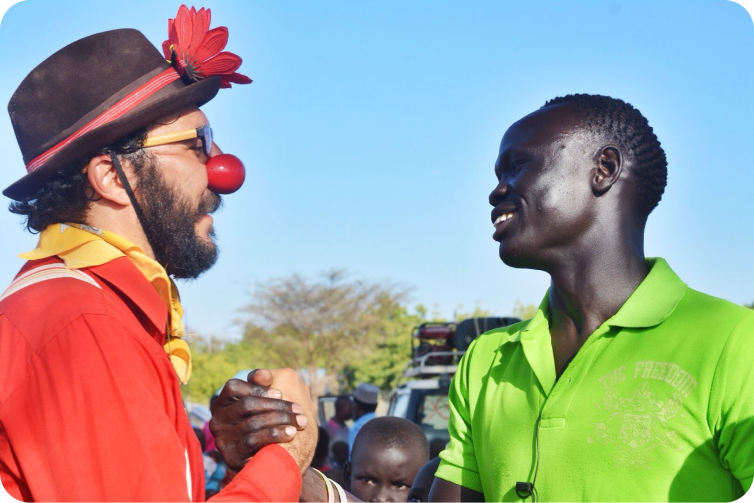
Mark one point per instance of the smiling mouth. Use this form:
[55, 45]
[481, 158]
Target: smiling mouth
[502, 218]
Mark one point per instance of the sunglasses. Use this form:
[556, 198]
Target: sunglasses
[204, 133]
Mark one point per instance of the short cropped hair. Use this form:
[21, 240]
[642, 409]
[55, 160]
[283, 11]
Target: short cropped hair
[392, 432]
[616, 121]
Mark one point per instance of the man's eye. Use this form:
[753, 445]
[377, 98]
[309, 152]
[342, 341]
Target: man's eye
[401, 486]
[367, 480]
[199, 151]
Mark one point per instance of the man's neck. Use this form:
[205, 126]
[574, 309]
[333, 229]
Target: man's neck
[589, 288]
[359, 415]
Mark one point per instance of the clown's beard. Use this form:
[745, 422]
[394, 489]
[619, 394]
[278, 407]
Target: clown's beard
[170, 225]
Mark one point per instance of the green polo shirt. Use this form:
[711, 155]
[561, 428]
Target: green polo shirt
[658, 405]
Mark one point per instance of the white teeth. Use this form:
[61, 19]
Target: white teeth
[502, 218]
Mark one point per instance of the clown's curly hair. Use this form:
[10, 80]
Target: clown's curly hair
[66, 197]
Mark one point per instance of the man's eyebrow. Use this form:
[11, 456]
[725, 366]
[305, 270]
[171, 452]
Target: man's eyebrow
[193, 143]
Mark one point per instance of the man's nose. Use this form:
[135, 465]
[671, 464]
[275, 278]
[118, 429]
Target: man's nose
[379, 496]
[500, 192]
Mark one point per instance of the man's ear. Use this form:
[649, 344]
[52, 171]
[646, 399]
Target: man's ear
[105, 181]
[608, 170]
[347, 469]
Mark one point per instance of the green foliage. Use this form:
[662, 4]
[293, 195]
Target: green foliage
[478, 312]
[524, 312]
[390, 351]
[354, 330]
[214, 363]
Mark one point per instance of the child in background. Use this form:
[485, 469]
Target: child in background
[209, 442]
[200, 436]
[338, 458]
[387, 453]
[423, 481]
[215, 472]
[214, 467]
[320, 459]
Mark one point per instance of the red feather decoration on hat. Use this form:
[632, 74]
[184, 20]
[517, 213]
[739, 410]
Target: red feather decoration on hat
[197, 52]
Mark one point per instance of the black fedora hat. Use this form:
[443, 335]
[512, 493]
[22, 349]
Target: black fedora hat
[89, 95]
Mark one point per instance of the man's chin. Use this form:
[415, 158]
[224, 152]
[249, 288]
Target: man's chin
[209, 244]
[513, 261]
[200, 257]
[513, 257]
[521, 259]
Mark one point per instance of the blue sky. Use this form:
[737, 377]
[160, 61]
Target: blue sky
[371, 130]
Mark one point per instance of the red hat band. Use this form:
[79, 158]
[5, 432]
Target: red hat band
[120, 108]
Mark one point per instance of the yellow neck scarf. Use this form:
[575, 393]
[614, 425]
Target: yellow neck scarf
[80, 246]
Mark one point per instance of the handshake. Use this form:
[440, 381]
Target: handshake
[271, 406]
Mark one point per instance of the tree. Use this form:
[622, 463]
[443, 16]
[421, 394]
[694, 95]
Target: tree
[330, 323]
[214, 361]
[524, 312]
[478, 312]
[390, 351]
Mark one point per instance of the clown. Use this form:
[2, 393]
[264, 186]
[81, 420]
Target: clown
[122, 178]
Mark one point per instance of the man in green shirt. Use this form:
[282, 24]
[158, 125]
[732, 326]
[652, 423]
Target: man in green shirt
[626, 385]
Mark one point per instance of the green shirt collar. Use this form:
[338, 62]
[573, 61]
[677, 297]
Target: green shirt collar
[650, 304]
[653, 300]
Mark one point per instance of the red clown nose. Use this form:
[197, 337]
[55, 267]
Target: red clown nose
[225, 173]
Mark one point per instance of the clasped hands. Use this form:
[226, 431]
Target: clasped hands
[271, 406]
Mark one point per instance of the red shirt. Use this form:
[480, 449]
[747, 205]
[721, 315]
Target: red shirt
[90, 406]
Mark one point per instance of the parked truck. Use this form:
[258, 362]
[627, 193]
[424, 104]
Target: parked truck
[422, 393]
